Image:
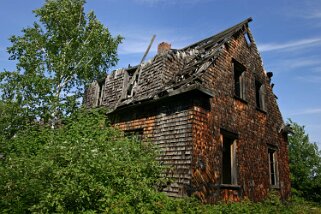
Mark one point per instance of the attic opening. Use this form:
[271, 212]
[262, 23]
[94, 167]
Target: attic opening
[101, 84]
[132, 84]
[247, 39]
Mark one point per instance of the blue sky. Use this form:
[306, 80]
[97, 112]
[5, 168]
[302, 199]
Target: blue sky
[287, 32]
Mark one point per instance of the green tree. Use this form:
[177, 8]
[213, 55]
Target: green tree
[10, 119]
[84, 165]
[305, 164]
[56, 58]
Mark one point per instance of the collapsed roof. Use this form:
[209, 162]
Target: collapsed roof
[170, 72]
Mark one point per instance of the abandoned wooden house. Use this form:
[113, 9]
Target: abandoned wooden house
[211, 110]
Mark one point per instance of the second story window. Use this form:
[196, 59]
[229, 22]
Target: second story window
[239, 80]
[260, 96]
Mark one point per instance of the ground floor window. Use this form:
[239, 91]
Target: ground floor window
[229, 164]
[273, 169]
[136, 134]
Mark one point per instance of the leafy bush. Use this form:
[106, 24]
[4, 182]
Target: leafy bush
[83, 166]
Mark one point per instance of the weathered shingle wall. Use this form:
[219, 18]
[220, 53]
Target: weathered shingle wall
[188, 127]
[112, 88]
[168, 125]
[257, 130]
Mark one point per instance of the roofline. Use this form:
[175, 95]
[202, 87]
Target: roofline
[177, 92]
[237, 26]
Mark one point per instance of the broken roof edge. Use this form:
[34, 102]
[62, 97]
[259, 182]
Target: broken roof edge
[177, 92]
[234, 28]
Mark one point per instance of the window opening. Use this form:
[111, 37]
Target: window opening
[273, 167]
[229, 168]
[247, 39]
[260, 95]
[135, 134]
[239, 80]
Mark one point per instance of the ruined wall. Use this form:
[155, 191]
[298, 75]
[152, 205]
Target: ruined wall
[256, 129]
[112, 88]
[168, 124]
[188, 128]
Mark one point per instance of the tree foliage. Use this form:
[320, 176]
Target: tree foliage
[305, 164]
[85, 165]
[56, 58]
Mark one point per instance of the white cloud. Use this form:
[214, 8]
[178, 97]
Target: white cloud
[307, 111]
[288, 46]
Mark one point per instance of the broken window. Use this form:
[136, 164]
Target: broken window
[247, 39]
[273, 170]
[132, 83]
[135, 134]
[239, 80]
[101, 84]
[260, 95]
[229, 168]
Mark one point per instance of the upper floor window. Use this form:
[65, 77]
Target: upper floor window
[239, 80]
[260, 96]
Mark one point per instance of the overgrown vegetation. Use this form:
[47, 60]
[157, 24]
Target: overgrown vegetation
[82, 166]
[87, 166]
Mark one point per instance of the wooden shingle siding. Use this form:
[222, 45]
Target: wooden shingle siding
[184, 102]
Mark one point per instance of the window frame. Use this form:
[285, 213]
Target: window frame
[260, 96]
[248, 39]
[273, 167]
[229, 139]
[135, 134]
[239, 71]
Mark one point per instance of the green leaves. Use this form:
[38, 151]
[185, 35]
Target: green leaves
[56, 58]
[305, 164]
[83, 165]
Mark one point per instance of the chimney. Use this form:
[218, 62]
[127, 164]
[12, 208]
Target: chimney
[163, 47]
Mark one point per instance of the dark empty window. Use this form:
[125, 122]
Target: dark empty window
[136, 134]
[229, 169]
[260, 95]
[239, 80]
[273, 167]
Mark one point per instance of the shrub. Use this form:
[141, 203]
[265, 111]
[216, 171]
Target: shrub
[83, 166]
